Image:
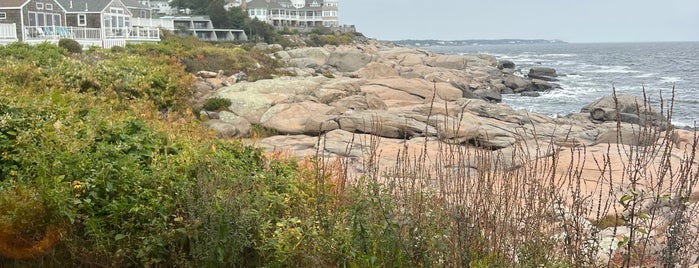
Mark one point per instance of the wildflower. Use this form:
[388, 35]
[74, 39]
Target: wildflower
[77, 185]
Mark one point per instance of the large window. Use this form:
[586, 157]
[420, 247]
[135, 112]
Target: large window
[44, 19]
[116, 22]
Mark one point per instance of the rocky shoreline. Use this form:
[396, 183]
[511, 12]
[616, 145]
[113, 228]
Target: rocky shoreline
[412, 93]
[372, 102]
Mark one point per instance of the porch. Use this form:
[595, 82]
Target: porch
[104, 37]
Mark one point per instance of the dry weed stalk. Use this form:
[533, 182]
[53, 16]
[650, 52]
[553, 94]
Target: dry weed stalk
[537, 213]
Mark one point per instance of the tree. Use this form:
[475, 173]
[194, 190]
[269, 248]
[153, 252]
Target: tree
[218, 15]
[237, 19]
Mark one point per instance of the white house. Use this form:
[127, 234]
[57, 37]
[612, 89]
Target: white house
[295, 13]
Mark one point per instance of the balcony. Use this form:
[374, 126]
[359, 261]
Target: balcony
[104, 37]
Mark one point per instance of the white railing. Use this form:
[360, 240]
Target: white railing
[8, 31]
[109, 43]
[58, 32]
[154, 23]
[145, 33]
[89, 34]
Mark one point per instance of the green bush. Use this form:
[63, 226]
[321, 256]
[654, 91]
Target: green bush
[216, 104]
[70, 45]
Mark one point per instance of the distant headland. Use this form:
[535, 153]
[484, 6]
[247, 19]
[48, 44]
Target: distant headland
[475, 42]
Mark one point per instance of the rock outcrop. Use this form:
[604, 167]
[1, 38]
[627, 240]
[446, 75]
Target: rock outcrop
[373, 103]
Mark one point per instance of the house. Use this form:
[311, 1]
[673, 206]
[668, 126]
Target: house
[20, 19]
[202, 28]
[138, 10]
[110, 21]
[161, 7]
[103, 23]
[297, 14]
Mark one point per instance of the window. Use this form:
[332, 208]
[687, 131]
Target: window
[32, 18]
[82, 20]
[3, 15]
[144, 14]
[39, 6]
[49, 6]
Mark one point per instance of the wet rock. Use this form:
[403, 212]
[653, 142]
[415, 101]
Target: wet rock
[543, 73]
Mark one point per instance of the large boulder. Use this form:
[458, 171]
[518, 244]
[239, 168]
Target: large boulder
[628, 136]
[291, 118]
[349, 60]
[506, 64]
[376, 70]
[515, 82]
[360, 102]
[251, 100]
[543, 73]
[306, 57]
[626, 108]
[539, 85]
[456, 130]
[420, 88]
[491, 94]
[222, 129]
[241, 124]
[385, 124]
[495, 134]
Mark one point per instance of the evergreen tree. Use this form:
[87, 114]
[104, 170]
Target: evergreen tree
[218, 15]
[237, 19]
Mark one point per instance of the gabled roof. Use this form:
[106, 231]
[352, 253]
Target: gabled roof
[12, 3]
[89, 6]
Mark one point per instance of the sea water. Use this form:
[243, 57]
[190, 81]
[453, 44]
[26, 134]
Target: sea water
[590, 71]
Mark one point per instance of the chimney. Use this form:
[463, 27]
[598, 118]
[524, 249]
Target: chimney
[244, 5]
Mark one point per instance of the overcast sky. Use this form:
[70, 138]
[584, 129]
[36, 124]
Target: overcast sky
[568, 20]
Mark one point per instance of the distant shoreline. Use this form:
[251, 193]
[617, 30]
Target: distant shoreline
[474, 42]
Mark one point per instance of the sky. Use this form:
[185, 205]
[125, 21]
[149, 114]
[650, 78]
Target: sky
[578, 21]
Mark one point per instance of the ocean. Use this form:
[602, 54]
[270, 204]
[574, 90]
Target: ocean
[592, 70]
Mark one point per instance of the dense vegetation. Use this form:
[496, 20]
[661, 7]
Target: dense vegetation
[103, 165]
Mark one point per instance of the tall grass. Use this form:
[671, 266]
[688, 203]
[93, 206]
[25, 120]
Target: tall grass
[458, 206]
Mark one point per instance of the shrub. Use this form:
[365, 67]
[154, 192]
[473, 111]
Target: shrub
[216, 104]
[70, 45]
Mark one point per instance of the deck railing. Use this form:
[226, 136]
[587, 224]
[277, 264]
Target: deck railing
[8, 31]
[89, 34]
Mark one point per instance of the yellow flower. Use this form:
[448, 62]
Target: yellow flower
[77, 185]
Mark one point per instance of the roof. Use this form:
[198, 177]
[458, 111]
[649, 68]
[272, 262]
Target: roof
[134, 4]
[262, 4]
[12, 3]
[84, 5]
